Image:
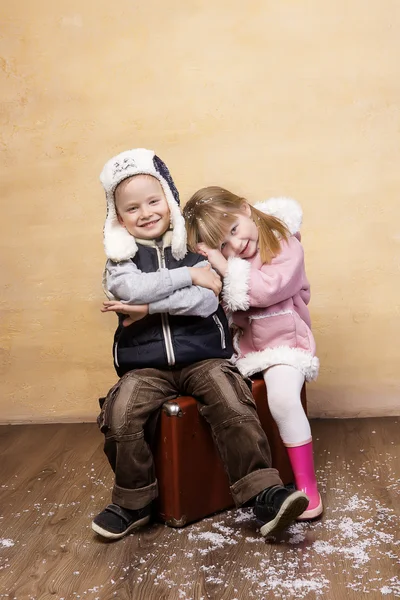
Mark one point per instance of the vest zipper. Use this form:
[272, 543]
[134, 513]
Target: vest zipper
[221, 331]
[164, 317]
[116, 354]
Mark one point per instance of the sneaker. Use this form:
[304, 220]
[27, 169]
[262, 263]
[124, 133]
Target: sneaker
[114, 521]
[277, 507]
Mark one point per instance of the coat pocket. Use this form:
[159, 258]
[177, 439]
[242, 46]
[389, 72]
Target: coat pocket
[270, 330]
[285, 328]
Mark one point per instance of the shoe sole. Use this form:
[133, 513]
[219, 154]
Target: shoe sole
[293, 506]
[312, 513]
[117, 536]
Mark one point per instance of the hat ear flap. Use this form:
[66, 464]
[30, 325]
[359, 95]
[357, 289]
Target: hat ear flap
[119, 244]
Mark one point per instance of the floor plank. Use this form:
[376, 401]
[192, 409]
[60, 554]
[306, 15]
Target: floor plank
[54, 479]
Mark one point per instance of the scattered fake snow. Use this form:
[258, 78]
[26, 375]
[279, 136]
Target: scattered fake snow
[300, 564]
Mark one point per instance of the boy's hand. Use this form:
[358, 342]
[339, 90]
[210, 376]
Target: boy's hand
[204, 277]
[215, 257]
[135, 312]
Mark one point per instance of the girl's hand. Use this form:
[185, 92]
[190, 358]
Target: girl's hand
[204, 277]
[135, 312]
[215, 258]
[202, 249]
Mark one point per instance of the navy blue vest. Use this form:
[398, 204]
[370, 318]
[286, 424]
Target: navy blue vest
[169, 341]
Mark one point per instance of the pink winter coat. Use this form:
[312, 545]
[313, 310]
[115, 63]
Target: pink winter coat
[268, 303]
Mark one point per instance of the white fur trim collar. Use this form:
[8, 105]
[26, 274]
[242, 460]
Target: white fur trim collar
[120, 245]
[286, 209]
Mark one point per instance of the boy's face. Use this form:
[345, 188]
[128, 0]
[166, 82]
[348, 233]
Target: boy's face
[142, 207]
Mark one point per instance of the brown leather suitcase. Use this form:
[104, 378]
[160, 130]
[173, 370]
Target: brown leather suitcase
[191, 477]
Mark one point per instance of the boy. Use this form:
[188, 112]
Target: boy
[173, 339]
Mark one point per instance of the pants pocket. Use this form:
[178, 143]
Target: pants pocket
[242, 385]
[106, 404]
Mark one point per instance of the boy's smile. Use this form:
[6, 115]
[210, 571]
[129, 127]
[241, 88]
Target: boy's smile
[142, 207]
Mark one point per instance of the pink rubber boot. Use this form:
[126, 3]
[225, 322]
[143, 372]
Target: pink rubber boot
[302, 461]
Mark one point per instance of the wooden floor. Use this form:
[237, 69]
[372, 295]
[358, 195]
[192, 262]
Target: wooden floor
[54, 479]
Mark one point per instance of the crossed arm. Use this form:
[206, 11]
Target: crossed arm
[190, 291]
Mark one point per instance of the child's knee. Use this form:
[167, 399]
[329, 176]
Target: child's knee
[281, 401]
[119, 405]
[225, 395]
[119, 413]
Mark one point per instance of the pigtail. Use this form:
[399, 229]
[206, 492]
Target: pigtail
[271, 231]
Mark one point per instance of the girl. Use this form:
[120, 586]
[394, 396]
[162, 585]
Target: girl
[258, 253]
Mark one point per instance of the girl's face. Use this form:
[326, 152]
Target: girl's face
[241, 240]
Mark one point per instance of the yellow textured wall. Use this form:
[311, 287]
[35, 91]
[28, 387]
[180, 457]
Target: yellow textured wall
[294, 98]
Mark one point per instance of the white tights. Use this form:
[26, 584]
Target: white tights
[284, 385]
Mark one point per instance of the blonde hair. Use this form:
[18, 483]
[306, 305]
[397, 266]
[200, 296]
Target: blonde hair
[212, 210]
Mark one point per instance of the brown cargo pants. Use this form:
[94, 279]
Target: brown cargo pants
[224, 400]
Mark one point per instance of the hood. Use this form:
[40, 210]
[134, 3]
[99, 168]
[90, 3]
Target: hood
[286, 210]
